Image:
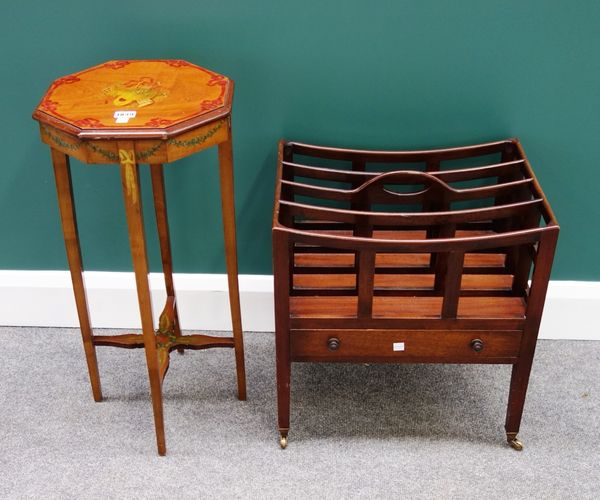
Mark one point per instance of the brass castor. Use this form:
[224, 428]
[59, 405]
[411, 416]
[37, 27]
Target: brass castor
[283, 440]
[516, 444]
[511, 438]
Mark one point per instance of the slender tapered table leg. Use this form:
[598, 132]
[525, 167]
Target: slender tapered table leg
[162, 223]
[228, 209]
[137, 241]
[64, 189]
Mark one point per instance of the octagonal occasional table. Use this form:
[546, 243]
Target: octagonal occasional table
[153, 112]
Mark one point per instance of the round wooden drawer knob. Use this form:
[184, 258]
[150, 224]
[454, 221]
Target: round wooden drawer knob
[333, 344]
[477, 345]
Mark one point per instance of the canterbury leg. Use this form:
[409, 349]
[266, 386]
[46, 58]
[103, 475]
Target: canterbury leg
[62, 174]
[281, 267]
[516, 401]
[135, 225]
[535, 307]
[162, 223]
[228, 209]
[283, 375]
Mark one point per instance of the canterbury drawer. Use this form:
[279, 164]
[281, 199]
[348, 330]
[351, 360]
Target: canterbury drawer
[434, 346]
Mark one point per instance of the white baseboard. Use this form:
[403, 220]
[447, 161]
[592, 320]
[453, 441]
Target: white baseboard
[45, 298]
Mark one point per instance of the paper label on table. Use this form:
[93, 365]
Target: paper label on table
[398, 346]
[124, 116]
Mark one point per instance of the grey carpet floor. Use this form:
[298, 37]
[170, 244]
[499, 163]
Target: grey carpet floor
[379, 431]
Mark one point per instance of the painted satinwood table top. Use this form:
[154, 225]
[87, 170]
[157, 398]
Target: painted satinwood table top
[135, 99]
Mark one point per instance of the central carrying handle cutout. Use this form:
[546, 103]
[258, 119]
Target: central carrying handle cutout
[395, 186]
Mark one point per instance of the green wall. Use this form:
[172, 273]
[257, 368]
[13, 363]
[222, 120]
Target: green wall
[380, 74]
